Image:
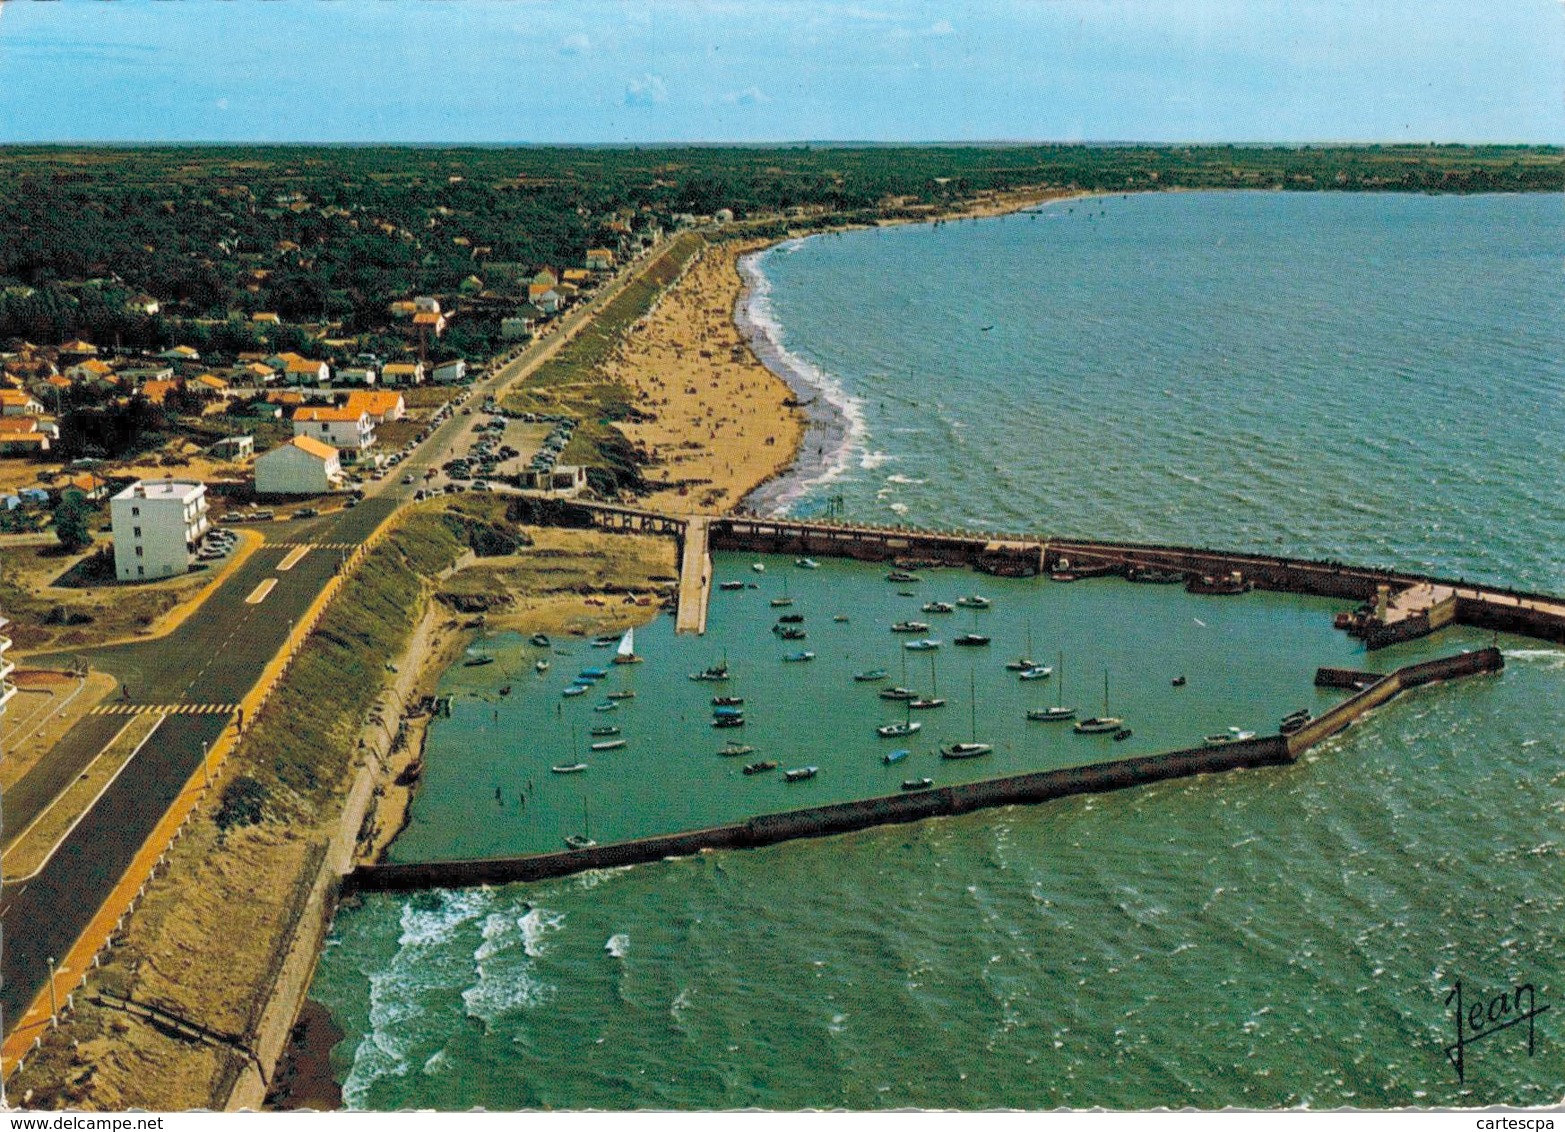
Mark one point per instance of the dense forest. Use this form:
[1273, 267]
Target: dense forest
[332, 234]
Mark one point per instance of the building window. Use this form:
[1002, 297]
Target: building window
[141, 571]
[138, 552]
[135, 510]
[135, 532]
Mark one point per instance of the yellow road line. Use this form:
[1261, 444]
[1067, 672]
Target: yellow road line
[294, 555]
[258, 595]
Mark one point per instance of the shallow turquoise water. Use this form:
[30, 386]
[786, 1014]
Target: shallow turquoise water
[1366, 378]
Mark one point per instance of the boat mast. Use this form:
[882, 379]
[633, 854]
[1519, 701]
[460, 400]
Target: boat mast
[972, 700]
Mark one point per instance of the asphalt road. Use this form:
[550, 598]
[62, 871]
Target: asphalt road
[214, 657]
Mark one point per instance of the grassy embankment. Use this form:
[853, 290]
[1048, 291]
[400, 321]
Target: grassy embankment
[573, 381]
[206, 944]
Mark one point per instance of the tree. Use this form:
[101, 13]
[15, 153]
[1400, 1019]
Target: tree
[73, 521]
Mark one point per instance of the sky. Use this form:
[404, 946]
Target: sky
[584, 71]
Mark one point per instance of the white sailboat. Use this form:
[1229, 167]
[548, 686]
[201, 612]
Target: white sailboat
[625, 652]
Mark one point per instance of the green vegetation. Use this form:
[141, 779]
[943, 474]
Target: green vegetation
[329, 236]
[243, 803]
[73, 521]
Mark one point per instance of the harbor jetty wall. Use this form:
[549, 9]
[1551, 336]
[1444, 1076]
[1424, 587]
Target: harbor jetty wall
[1488, 607]
[847, 817]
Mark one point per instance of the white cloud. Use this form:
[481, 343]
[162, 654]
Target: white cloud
[575, 45]
[648, 90]
[749, 96]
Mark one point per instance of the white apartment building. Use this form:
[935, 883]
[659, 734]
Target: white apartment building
[157, 524]
[342, 427]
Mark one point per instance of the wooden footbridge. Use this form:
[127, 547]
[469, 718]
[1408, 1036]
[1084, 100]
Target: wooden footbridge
[1394, 605]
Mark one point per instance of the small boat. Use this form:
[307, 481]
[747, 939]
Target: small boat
[731, 750]
[1232, 735]
[925, 645]
[901, 576]
[1041, 672]
[1293, 726]
[540, 640]
[721, 712]
[1051, 714]
[758, 567]
[871, 676]
[727, 701]
[971, 640]
[910, 627]
[1178, 681]
[840, 618]
[895, 756]
[965, 750]
[609, 745]
[717, 673]
[477, 661]
[898, 694]
[600, 732]
[606, 705]
[974, 601]
[728, 721]
[1104, 724]
[569, 768]
[592, 674]
[1234, 583]
[925, 703]
[576, 690]
[800, 773]
[807, 564]
[938, 607]
[917, 783]
[1098, 725]
[797, 657]
[541, 666]
[1148, 576]
[791, 619]
[898, 730]
[906, 593]
[781, 602]
[730, 586]
[790, 633]
[625, 653]
[1122, 734]
[761, 767]
[625, 694]
[1021, 664]
[604, 642]
[1302, 713]
[578, 840]
[505, 689]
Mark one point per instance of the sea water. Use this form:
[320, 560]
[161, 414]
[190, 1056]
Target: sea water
[1370, 378]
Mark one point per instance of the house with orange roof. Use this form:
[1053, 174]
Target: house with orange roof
[403, 373]
[22, 436]
[78, 348]
[382, 405]
[431, 320]
[600, 259]
[16, 403]
[211, 383]
[303, 466]
[157, 391]
[341, 426]
[306, 371]
[577, 276]
[93, 369]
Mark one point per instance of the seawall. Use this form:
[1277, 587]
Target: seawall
[847, 817]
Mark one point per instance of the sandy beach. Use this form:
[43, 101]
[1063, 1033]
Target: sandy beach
[722, 422]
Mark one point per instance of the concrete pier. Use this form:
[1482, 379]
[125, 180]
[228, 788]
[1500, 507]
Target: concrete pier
[695, 577]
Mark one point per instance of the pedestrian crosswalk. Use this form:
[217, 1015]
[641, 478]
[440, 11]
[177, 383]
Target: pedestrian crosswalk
[165, 709]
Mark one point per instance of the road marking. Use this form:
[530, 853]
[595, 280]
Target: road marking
[258, 595]
[164, 709]
[294, 555]
[81, 817]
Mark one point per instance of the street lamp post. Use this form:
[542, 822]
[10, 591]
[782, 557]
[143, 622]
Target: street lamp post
[54, 1003]
[206, 768]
